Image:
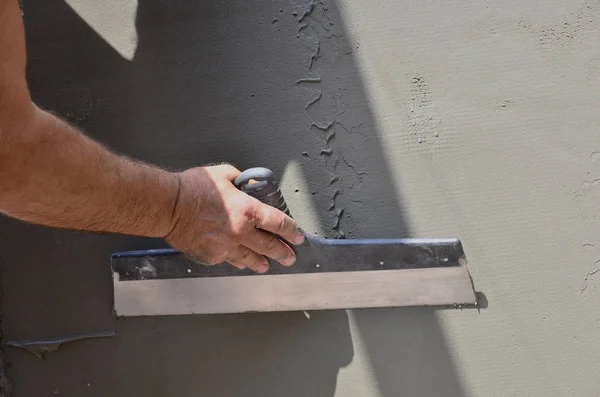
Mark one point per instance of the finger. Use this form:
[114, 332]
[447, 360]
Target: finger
[268, 245]
[246, 257]
[228, 171]
[272, 220]
[238, 265]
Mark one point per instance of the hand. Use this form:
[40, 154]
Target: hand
[214, 222]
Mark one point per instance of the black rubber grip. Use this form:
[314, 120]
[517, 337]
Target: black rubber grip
[261, 184]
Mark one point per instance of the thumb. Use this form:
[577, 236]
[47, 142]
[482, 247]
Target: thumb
[228, 171]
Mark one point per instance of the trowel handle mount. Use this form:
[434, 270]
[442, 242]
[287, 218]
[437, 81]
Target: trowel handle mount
[261, 184]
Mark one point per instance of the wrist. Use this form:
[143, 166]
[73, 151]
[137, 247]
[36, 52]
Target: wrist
[172, 208]
[152, 201]
[170, 183]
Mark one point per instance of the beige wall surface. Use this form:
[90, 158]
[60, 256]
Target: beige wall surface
[473, 119]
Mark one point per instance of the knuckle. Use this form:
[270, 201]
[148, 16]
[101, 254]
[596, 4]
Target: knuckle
[228, 169]
[270, 245]
[214, 257]
[283, 224]
[249, 259]
[210, 259]
[233, 234]
[245, 256]
[251, 213]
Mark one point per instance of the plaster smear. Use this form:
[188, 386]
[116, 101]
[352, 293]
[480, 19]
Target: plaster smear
[490, 121]
[113, 21]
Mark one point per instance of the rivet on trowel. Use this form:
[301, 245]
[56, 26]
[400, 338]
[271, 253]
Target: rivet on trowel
[317, 265]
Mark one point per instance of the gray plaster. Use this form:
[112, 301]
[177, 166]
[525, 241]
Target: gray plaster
[209, 82]
[475, 120]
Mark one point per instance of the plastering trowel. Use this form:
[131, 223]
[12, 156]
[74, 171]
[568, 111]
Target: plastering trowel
[328, 274]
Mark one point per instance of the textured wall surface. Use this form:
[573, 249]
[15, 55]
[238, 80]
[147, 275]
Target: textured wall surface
[472, 119]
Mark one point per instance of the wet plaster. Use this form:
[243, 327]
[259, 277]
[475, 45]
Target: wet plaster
[488, 116]
[392, 120]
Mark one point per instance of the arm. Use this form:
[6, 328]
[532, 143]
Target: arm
[53, 175]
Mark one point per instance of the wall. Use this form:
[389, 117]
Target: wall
[476, 120]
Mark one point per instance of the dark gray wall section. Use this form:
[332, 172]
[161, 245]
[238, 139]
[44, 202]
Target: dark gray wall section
[211, 81]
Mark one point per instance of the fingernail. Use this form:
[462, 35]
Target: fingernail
[299, 238]
[288, 260]
[263, 268]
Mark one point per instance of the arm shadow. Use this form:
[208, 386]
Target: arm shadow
[211, 81]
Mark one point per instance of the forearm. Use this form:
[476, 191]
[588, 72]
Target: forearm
[51, 174]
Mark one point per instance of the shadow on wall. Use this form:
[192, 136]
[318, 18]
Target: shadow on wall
[252, 83]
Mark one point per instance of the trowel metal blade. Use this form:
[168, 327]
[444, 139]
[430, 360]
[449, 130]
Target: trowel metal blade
[327, 274]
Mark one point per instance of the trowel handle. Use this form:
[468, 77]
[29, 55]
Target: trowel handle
[261, 184]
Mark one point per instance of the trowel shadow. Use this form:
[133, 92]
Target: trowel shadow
[242, 82]
[283, 354]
